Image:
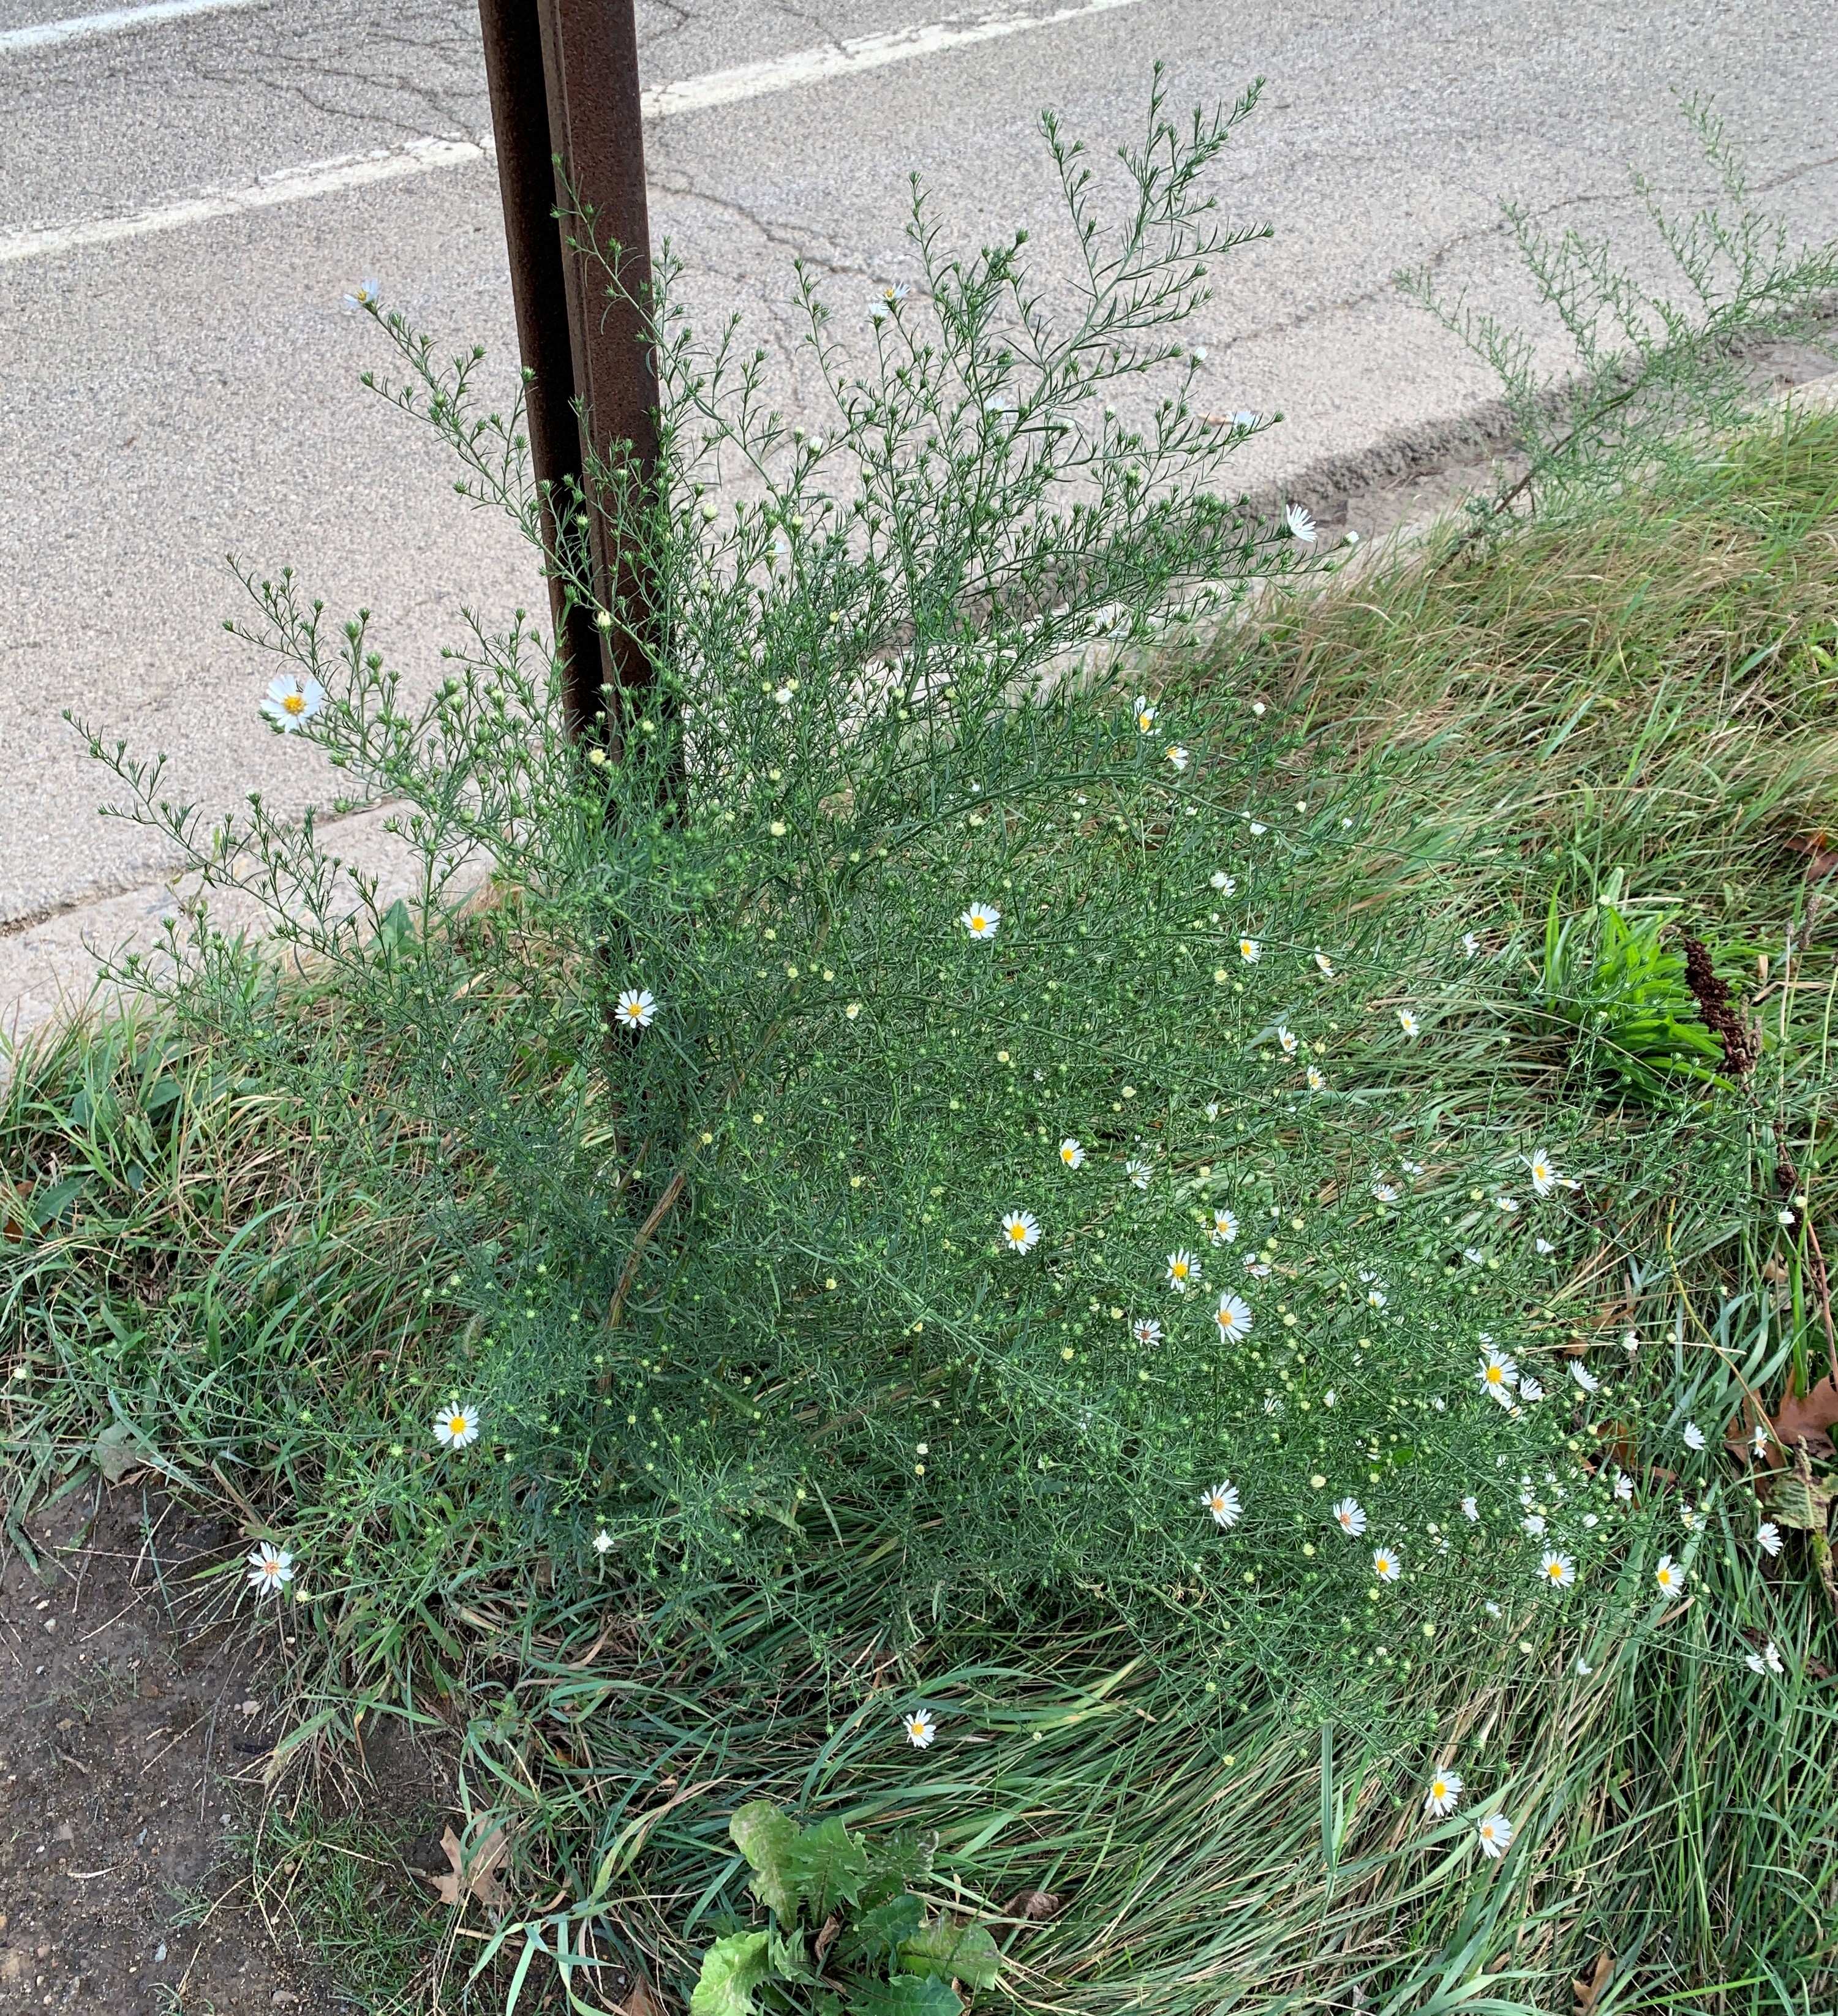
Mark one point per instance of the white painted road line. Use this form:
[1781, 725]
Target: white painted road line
[82, 27]
[663, 101]
[345, 171]
[866, 52]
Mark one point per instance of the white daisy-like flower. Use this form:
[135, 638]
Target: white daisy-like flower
[1583, 1666]
[1350, 1516]
[1544, 1178]
[366, 294]
[1020, 1232]
[1329, 1397]
[1222, 882]
[1257, 829]
[1287, 1041]
[1258, 1269]
[271, 1568]
[1410, 1168]
[1316, 1082]
[1146, 1332]
[1407, 1022]
[456, 1428]
[1145, 715]
[1669, 1574]
[1225, 1228]
[1475, 1255]
[1325, 963]
[1534, 1524]
[981, 920]
[1558, 1570]
[1530, 1390]
[1443, 1795]
[292, 700]
[1301, 526]
[1470, 1508]
[1767, 1538]
[1470, 944]
[1495, 1833]
[1492, 1610]
[1222, 1502]
[1376, 1299]
[635, 1008]
[1250, 950]
[1233, 1316]
[1177, 755]
[1071, 1154]
[1544, 1246]
[1386, 1565]
[1386, 1192]
[1507, 1203]
[1767, 1661]
[920, 1726]
[1623, 1487]
[1184, 1271]
[1138, 1172]
[783, 694]
[602, 1542]
[1584, 1376]
[1760, 1439]
[1694, 1438]
[1497, 1371]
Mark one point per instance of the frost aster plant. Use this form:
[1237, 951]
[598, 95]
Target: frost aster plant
[917, 1064]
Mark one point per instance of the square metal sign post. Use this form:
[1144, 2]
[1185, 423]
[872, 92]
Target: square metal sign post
[563, 82]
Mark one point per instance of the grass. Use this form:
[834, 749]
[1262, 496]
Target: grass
[1634, 704]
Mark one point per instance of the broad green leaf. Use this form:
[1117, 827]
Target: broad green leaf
[765, 1837]
[953, 1952]
[905, 1995]
[788, 1960]
[827, 1863]
[1801, 1502]
[882, 1930]
[900, 1862]
[732, 1968]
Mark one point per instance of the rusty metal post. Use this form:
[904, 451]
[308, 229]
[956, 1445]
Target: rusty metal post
[563, 82]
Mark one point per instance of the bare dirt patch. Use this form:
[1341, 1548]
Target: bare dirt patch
[133, 1739]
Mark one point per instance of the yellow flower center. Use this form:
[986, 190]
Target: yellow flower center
[295, 702]
[1493, 1375]
[457, 1425]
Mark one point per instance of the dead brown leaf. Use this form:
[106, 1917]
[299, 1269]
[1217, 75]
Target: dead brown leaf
[1588, 1990]
[1808, 1418]
[642, 2000]
[1036, 1906]
[826, 1937]
[13, 1229]
[1822, 858]
[476, 1873]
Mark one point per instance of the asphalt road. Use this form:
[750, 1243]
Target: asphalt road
[168, 396]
